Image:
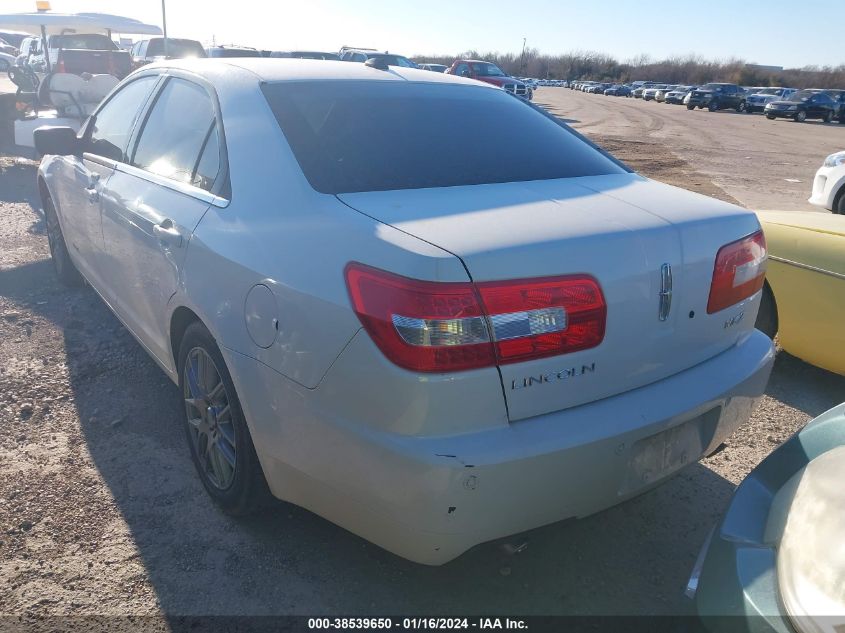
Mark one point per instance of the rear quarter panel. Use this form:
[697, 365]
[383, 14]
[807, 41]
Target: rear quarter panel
[807, 275]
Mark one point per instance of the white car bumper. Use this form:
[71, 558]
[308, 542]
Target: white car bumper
[827, 184]
[429, 499]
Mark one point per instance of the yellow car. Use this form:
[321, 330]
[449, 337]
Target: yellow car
[804, 295]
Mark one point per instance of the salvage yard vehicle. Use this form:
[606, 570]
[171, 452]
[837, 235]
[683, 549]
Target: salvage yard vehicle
[775, 562]
[437, 68]
[306, 55]
[650, 93]
[396, 343]
[717, 96]
[804, 293]
[803, 105]
[152, 50]
[677, 95]
[829, 184]
[757, 102]
[78, 53]
[491, 74]
[618, 90]
[365, 54]
[227, 51]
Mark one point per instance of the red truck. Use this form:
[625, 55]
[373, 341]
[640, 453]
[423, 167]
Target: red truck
[489, 73]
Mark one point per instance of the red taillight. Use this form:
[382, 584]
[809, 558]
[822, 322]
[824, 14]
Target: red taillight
[439, 327]
[60, 65]
[544, 317]
[739, 272]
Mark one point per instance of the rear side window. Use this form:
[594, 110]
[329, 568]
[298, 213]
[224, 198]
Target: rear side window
[115, 120]
[356, 136]
[177, 130]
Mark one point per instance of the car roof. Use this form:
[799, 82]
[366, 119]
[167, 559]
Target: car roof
[272, 69]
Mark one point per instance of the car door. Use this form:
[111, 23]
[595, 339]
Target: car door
[730, 99]
[825, 105]
[155, 202]
[79, 180]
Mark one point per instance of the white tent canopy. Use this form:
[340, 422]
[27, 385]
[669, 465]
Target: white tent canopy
[57, 23]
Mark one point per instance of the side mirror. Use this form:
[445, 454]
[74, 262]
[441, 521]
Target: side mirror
[59, 140]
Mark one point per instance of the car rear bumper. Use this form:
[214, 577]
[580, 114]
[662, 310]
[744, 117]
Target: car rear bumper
[429, 499]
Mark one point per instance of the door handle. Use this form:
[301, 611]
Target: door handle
[168, 235]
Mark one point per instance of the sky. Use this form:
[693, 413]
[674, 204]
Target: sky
[771, 32]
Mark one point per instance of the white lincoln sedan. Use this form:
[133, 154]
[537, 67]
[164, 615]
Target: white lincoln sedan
[409, 302]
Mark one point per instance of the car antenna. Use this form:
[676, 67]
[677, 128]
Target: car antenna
[377, 62]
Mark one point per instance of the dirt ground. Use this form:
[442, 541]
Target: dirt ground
[101, 511]
[759, 163]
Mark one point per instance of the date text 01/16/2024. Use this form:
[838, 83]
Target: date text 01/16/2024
[416, 624]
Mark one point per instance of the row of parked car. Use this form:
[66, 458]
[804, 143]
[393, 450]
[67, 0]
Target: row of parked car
[97, 53]
[824, 104]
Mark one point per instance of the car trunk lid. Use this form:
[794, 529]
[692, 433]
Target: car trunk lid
[622, 230]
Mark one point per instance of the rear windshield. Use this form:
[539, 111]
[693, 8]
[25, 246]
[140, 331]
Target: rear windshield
[93, 42]
[352, 136]
[177, 49]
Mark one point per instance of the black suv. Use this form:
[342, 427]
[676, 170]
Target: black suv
[717, 97]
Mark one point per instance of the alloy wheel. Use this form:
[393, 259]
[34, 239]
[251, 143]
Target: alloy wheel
[210, 423]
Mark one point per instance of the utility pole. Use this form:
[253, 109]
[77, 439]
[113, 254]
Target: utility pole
[164, 28]
[521, 59]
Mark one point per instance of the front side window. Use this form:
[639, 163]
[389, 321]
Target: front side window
[488, 70]
[177, 130]
[113, 122]
[354, 136]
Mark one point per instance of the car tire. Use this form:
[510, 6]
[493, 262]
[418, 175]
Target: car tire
[712, 106]
[742, 107]
[218, 438]
[800, 117]
[770, 117]
[839, 205]
[690, 107]
[767, 317]
[64, 267]
[828, 117]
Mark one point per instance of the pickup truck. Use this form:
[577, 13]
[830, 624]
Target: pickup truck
[78, 53]
[489, 73]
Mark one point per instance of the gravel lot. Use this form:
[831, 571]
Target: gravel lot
[101, 511]
[759, 163]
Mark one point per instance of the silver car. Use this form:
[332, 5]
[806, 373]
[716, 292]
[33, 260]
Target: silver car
[376, 310]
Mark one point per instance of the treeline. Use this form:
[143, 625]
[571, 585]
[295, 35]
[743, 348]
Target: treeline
[680, 70]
